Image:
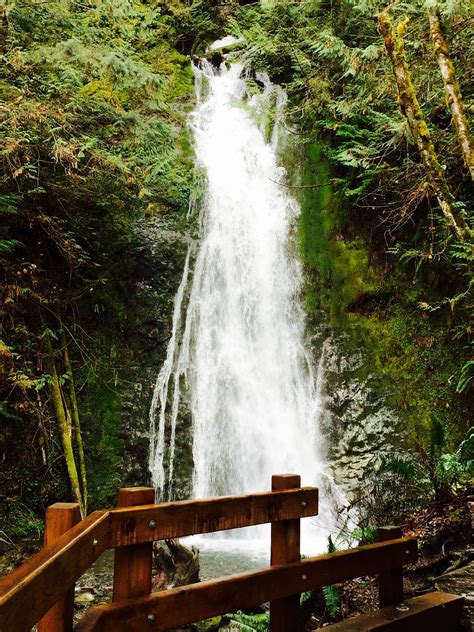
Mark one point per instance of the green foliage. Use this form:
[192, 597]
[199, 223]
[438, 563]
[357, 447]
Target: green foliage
[332, 597]
[348, 535]
[258, 621]
[440, 472]
[21, 522]
[437, 438]
[8, 207]
[404, 469]
[93, 107]
[379, 264]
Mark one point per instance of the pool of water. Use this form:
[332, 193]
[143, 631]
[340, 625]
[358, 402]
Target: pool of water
[219, 557]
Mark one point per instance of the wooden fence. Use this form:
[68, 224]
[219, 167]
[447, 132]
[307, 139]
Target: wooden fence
[42, 589]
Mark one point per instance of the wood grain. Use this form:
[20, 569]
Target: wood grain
[132, 564]
[33, 588]
[180, 606]
[59, 518]
[390, 582]
[431, 612]
[285, 613]
[178, 519]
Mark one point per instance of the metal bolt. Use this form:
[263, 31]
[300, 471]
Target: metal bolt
[151, 617]
[407, 552]
[303, 577]
[152, 525]
[303, 504]
[95, 542]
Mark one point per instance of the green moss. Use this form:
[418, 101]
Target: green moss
[339, 271]
[208, 625]
[103, 445]
[376, 308]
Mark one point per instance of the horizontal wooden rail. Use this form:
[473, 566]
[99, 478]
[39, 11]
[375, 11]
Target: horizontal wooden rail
[30, 591]
[187, 604]
[433, 612]
[131, 525]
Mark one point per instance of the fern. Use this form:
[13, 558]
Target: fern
[465, 452]
[403, 468]
[332, 597]
[259, 622]
[437, 438]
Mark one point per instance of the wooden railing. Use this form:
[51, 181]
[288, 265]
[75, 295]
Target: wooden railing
[42, 589]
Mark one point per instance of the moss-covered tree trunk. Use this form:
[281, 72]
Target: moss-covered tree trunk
[451, 86]
[61, 418]
[412, 111]
[76, 421]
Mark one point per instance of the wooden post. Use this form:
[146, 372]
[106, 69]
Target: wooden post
[133, 563]
[60, 517]
[390, 582]
[285, 614]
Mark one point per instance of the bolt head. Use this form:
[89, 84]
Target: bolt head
[95, 542]
[303, 504]
[152, 524]
[303, 577]
[150, 618]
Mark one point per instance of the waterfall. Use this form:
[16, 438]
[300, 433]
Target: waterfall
[237, 357]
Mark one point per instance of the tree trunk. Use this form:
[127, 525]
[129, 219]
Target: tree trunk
[61, 418]
[76, 422]
[411, 110]
[451, 87]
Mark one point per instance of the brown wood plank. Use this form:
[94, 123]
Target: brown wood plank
[132, 564]
[391, 582]
[28, 593]
[180, 606]
[177, 519]
[60, 517]
[433, 611]
[285, 614]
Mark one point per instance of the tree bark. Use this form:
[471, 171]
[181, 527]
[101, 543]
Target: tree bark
[61, 418]
[451, 86]
[76, 421]
[412, 111]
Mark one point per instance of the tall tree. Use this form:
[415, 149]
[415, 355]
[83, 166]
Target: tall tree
[61, 415]
[75, 418]
[394, 43]
[451, 86]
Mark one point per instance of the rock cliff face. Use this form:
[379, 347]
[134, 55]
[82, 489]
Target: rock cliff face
[116, 402]
[360, 427]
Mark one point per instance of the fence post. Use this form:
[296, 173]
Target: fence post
[59, 518]
[285, 614]
[390, 582]
[133, 563]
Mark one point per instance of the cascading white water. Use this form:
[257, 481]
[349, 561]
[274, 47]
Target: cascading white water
[237, 351]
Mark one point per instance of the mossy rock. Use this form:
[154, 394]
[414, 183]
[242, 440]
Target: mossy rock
[208, 625]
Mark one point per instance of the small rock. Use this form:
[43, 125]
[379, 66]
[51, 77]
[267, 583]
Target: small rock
[84, 598]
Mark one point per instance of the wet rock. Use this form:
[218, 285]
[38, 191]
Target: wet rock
[460, 582]
[358, 425]
[84, 598]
